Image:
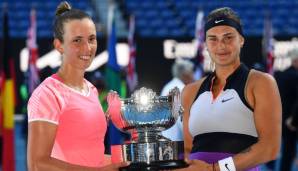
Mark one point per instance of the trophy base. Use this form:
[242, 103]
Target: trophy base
[148, 152]
[155, 166]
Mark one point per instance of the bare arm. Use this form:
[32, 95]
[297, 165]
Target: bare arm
[263, 95]
[188, 95]
[41, 136]
[187, 136]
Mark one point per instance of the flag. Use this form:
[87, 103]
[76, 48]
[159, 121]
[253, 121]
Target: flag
[131, 75]
[2, 79]
[1, 106]
[33, 77]
[268, 44]
[113, 81]
[199, 40]
[112, 76]
[8, 101]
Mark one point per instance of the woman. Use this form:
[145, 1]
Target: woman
[232, 118]
[66, 122]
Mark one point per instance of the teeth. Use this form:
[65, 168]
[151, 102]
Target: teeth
[85, 57]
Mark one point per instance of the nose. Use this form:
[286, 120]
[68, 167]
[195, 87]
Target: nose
[221, 44]
[87, 46]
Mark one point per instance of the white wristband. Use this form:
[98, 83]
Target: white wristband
[226, 164]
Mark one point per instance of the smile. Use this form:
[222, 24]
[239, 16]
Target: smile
[223, 54]
[85, 57]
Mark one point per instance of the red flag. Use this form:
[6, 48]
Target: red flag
[131, 76]
[199, 35]
[33, 77]
[8, 101]
[268, 44]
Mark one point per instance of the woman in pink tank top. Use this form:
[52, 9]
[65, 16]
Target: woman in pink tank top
[66, 122]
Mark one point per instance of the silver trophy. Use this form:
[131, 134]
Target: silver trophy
[144, 116]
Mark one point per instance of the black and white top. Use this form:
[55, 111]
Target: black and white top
[225, 123]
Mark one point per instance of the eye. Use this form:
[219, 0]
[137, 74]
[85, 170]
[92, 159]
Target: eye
[228, 39]
[212, 39]
[92, 39]
[77, 40]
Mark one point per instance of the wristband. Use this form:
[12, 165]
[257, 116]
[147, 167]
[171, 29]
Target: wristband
[226, 164]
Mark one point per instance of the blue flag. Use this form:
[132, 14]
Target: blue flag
[113, 76]
[112, 41]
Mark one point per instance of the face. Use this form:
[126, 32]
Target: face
[224, 44]
[79, 43]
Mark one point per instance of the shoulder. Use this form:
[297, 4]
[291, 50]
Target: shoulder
[46, 102]
[261, 85]
[50, 86]
[190, 90]
[193, 86]
[48, 92]
[258, 78]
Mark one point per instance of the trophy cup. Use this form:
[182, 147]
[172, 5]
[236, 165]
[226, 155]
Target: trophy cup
[144, 116]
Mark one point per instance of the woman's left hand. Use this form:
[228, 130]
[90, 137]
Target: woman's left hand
[114, 104]
[114, 109]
